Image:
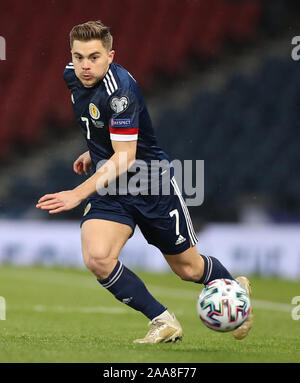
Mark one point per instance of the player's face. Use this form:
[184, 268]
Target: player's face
[91, 61]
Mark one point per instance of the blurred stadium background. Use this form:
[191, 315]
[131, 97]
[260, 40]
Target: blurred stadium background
[221, 86]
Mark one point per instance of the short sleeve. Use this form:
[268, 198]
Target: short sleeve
[124, 121]
[69, 76]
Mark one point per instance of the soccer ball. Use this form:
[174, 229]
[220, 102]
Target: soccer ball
[223, 305]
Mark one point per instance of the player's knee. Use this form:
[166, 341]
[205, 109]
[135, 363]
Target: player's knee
[101, 267]
[100, 262]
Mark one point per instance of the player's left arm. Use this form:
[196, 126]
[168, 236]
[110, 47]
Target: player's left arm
[119, 162]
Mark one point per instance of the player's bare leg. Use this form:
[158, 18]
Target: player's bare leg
[102, 242]
[190, 266]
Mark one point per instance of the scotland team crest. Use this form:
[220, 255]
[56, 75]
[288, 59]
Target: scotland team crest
[87, 209]
[94, 111]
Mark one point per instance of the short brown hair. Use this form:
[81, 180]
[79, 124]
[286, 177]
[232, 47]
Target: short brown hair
[92, 30]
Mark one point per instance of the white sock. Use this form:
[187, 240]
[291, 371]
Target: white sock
[164, 315]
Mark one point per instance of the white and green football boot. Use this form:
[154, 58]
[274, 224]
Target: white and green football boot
[242, 331]
[162, 331]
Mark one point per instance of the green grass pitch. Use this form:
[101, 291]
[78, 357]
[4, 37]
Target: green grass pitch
[64, 315]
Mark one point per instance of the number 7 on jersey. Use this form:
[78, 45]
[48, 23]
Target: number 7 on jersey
[87, 124]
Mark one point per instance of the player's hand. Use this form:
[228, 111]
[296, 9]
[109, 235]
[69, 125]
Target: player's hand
[58, 202]
[83, 164]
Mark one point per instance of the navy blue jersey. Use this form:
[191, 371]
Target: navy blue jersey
[113, 109]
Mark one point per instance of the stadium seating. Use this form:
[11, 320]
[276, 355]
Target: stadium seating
[238, 130]
[149, 37]
[246, 132]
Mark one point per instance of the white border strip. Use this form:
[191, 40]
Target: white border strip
[106, 86]
[123, 137]
[188, 220]
[113, 79]
[115, 277]
[209, 268]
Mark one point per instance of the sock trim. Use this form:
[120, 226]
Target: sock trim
[115, 278]
[164, 315]
[209, 268]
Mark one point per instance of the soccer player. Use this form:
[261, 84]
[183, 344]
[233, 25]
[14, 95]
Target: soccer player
[114, 120]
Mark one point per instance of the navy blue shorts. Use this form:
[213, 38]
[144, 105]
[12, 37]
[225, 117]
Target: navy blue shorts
[164, 220]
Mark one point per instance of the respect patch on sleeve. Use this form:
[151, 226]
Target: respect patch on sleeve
[120, 122]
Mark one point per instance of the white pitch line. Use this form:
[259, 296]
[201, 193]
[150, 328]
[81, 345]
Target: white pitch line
[85, 310]
[260, 304]
[268, 305]
[82, 310]
[66, 309]
[191, 295]
[156, 290]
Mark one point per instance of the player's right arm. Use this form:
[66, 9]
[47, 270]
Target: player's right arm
[83, 163]
[118, 163]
